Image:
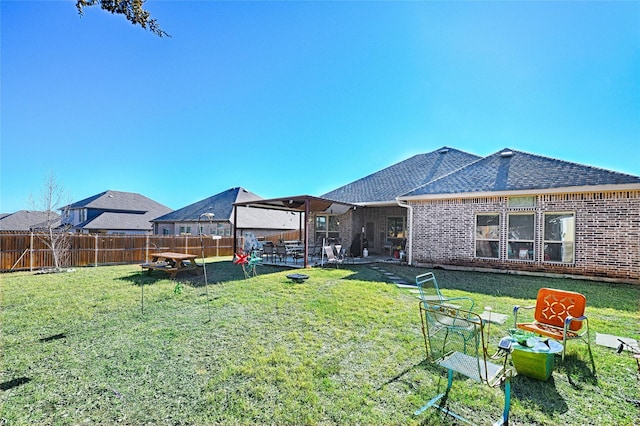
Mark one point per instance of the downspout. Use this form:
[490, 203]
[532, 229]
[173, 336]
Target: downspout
[409, 230]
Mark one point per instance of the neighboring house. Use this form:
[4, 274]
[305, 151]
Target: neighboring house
[113, 212]
[28, 220]
[193, 219]
[511, 211]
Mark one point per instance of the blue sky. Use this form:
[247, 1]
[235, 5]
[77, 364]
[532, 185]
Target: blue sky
[288, 98]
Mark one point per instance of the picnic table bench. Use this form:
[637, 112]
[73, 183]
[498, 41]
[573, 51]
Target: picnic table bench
[171, 263]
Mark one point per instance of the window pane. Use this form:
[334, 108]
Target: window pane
[321, 223]
[488, 227]
[559, 252]
[395, 227]
[333, 223]
[487, 249]
[521, 227]
[521, 250]
[516, 202]
[559, 227]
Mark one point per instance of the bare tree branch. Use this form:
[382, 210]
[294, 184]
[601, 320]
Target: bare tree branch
[54, 235]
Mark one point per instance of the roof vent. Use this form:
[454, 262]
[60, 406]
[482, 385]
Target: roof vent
[504, 154]
[443, 151]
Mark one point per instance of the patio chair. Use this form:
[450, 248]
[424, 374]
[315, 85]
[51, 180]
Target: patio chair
[559, 314]
[281, 252]
[457, 343]
[268, 251]
[331, 256]
[315, 252]
[430, 293]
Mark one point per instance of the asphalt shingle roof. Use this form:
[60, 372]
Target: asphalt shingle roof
[120, 211]
[221, 205]
[510, 170]
[120, 221]
[24, 220]
[395, 180]
[120, 201]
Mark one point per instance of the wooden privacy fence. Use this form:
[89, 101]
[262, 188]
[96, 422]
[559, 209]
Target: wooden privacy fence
[28, 251]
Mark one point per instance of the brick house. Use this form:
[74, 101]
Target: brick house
[507, 211]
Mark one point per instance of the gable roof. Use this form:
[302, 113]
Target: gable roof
[119, 221]
[398, 179]
[221, 205]
[119, 211]
[510, 170]
[25, 220]
[119, 201]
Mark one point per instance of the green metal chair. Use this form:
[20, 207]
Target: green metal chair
[430, 293]
[455, 340]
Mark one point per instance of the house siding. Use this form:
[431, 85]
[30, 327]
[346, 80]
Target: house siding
[607, 233]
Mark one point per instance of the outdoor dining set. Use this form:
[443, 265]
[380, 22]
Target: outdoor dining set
[294, 250]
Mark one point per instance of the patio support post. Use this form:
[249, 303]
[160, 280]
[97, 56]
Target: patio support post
[235, 223]
[306, 232]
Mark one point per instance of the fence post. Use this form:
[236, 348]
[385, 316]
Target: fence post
[31, 253]
[146, 250]
[95, 261]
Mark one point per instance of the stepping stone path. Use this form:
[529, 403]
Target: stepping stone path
[398, 281]
[413, 289]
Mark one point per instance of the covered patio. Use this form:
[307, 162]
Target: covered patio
[305, 205]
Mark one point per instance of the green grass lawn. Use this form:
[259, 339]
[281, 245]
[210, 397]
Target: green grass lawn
[345, 347]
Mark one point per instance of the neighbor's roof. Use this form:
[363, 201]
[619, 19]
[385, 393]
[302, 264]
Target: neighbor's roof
[25, 220]
[398, 179]
[221, 205]
[120, 201]
[121, 211]
[510, 170]
[119, 222]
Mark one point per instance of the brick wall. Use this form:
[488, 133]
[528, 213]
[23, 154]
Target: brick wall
[607, 233]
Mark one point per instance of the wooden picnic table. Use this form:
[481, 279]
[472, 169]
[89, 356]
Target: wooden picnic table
[171, 263]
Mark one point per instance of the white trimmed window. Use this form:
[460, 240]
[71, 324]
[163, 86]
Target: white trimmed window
[488, 235]
[396, 227]
[559, 237]
[521, 232]
[327, 227]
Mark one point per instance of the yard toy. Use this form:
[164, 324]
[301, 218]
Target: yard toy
[252, 260]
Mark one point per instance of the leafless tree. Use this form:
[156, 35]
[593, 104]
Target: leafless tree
[52, 232]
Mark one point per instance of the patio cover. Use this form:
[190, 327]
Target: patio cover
[299, 203]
